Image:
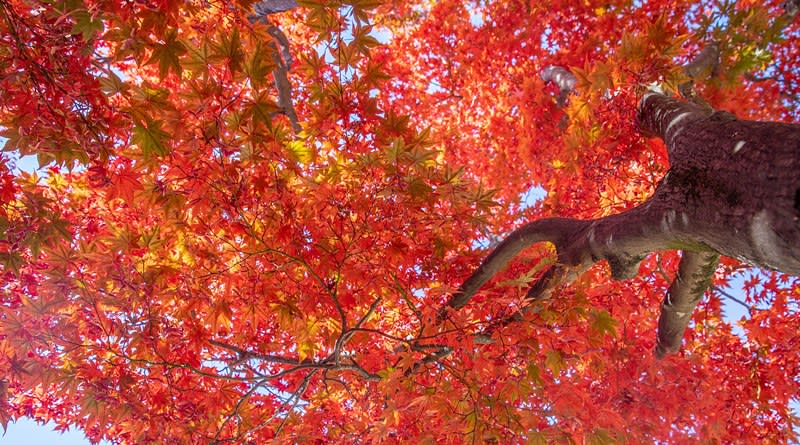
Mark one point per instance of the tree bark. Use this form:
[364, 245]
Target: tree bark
[695, 272]
[267, 7]
[733, 185]
[733, 188]
[563, 79]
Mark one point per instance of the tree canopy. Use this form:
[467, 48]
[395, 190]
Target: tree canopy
[252, 221]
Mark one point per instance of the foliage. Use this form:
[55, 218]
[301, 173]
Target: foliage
[188, 268]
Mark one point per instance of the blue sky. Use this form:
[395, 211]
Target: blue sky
[28, 432]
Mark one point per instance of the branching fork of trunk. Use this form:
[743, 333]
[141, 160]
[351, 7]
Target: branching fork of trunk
[712, 201]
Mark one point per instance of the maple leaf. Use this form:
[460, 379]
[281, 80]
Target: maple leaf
[198, 59]
[261, 109]
[150, 138]
[602, 322]
[300, 151]
[125, 184]
[361, 8]
[554, 362]
[258, 65]
[229, 47]
[86, 24]
[167, 54]
[113, 84]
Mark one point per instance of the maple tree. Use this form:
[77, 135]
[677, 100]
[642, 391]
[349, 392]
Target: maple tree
[254, 220]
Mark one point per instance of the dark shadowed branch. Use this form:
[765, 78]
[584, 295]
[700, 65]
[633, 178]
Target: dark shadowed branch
[554, 230]
[281, 55]
[701, 207]
[694, 275]
[267, 7]
[563, 79]
[281, 75]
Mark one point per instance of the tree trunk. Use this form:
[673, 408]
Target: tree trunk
[733, 185]
[733, 188]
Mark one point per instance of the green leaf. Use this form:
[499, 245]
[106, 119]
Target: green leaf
[15, 139]
[230, 48]
[168, 54]
[86, 24]
[602, 322]
[361, 8]
[363, 39]
[373, 74]
[112, 85]
[600, 436]
[554, 362]
[418, 188]
[261, 109]
[150, 138]
[536, 438]
[301, 152]
[258, 66]
[535, 374]
[198, 58]
[395, 150]
[12, 261]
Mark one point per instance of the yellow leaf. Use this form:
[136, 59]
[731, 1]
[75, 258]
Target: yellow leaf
[305, 349]
[301, 152]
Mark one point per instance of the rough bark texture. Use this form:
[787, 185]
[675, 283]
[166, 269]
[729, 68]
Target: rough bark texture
[733, 188]
[732, 184]
[694, 275]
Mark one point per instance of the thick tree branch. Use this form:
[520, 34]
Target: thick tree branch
[283, 42]
[267, 7]
[695, 272]
[704, 65]
[553, 230]
[665, 117]
[623, 239]
[281, 55]
[702, 206]
[791, 8]
[732, 183]
[281, 75]
[563, 79]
